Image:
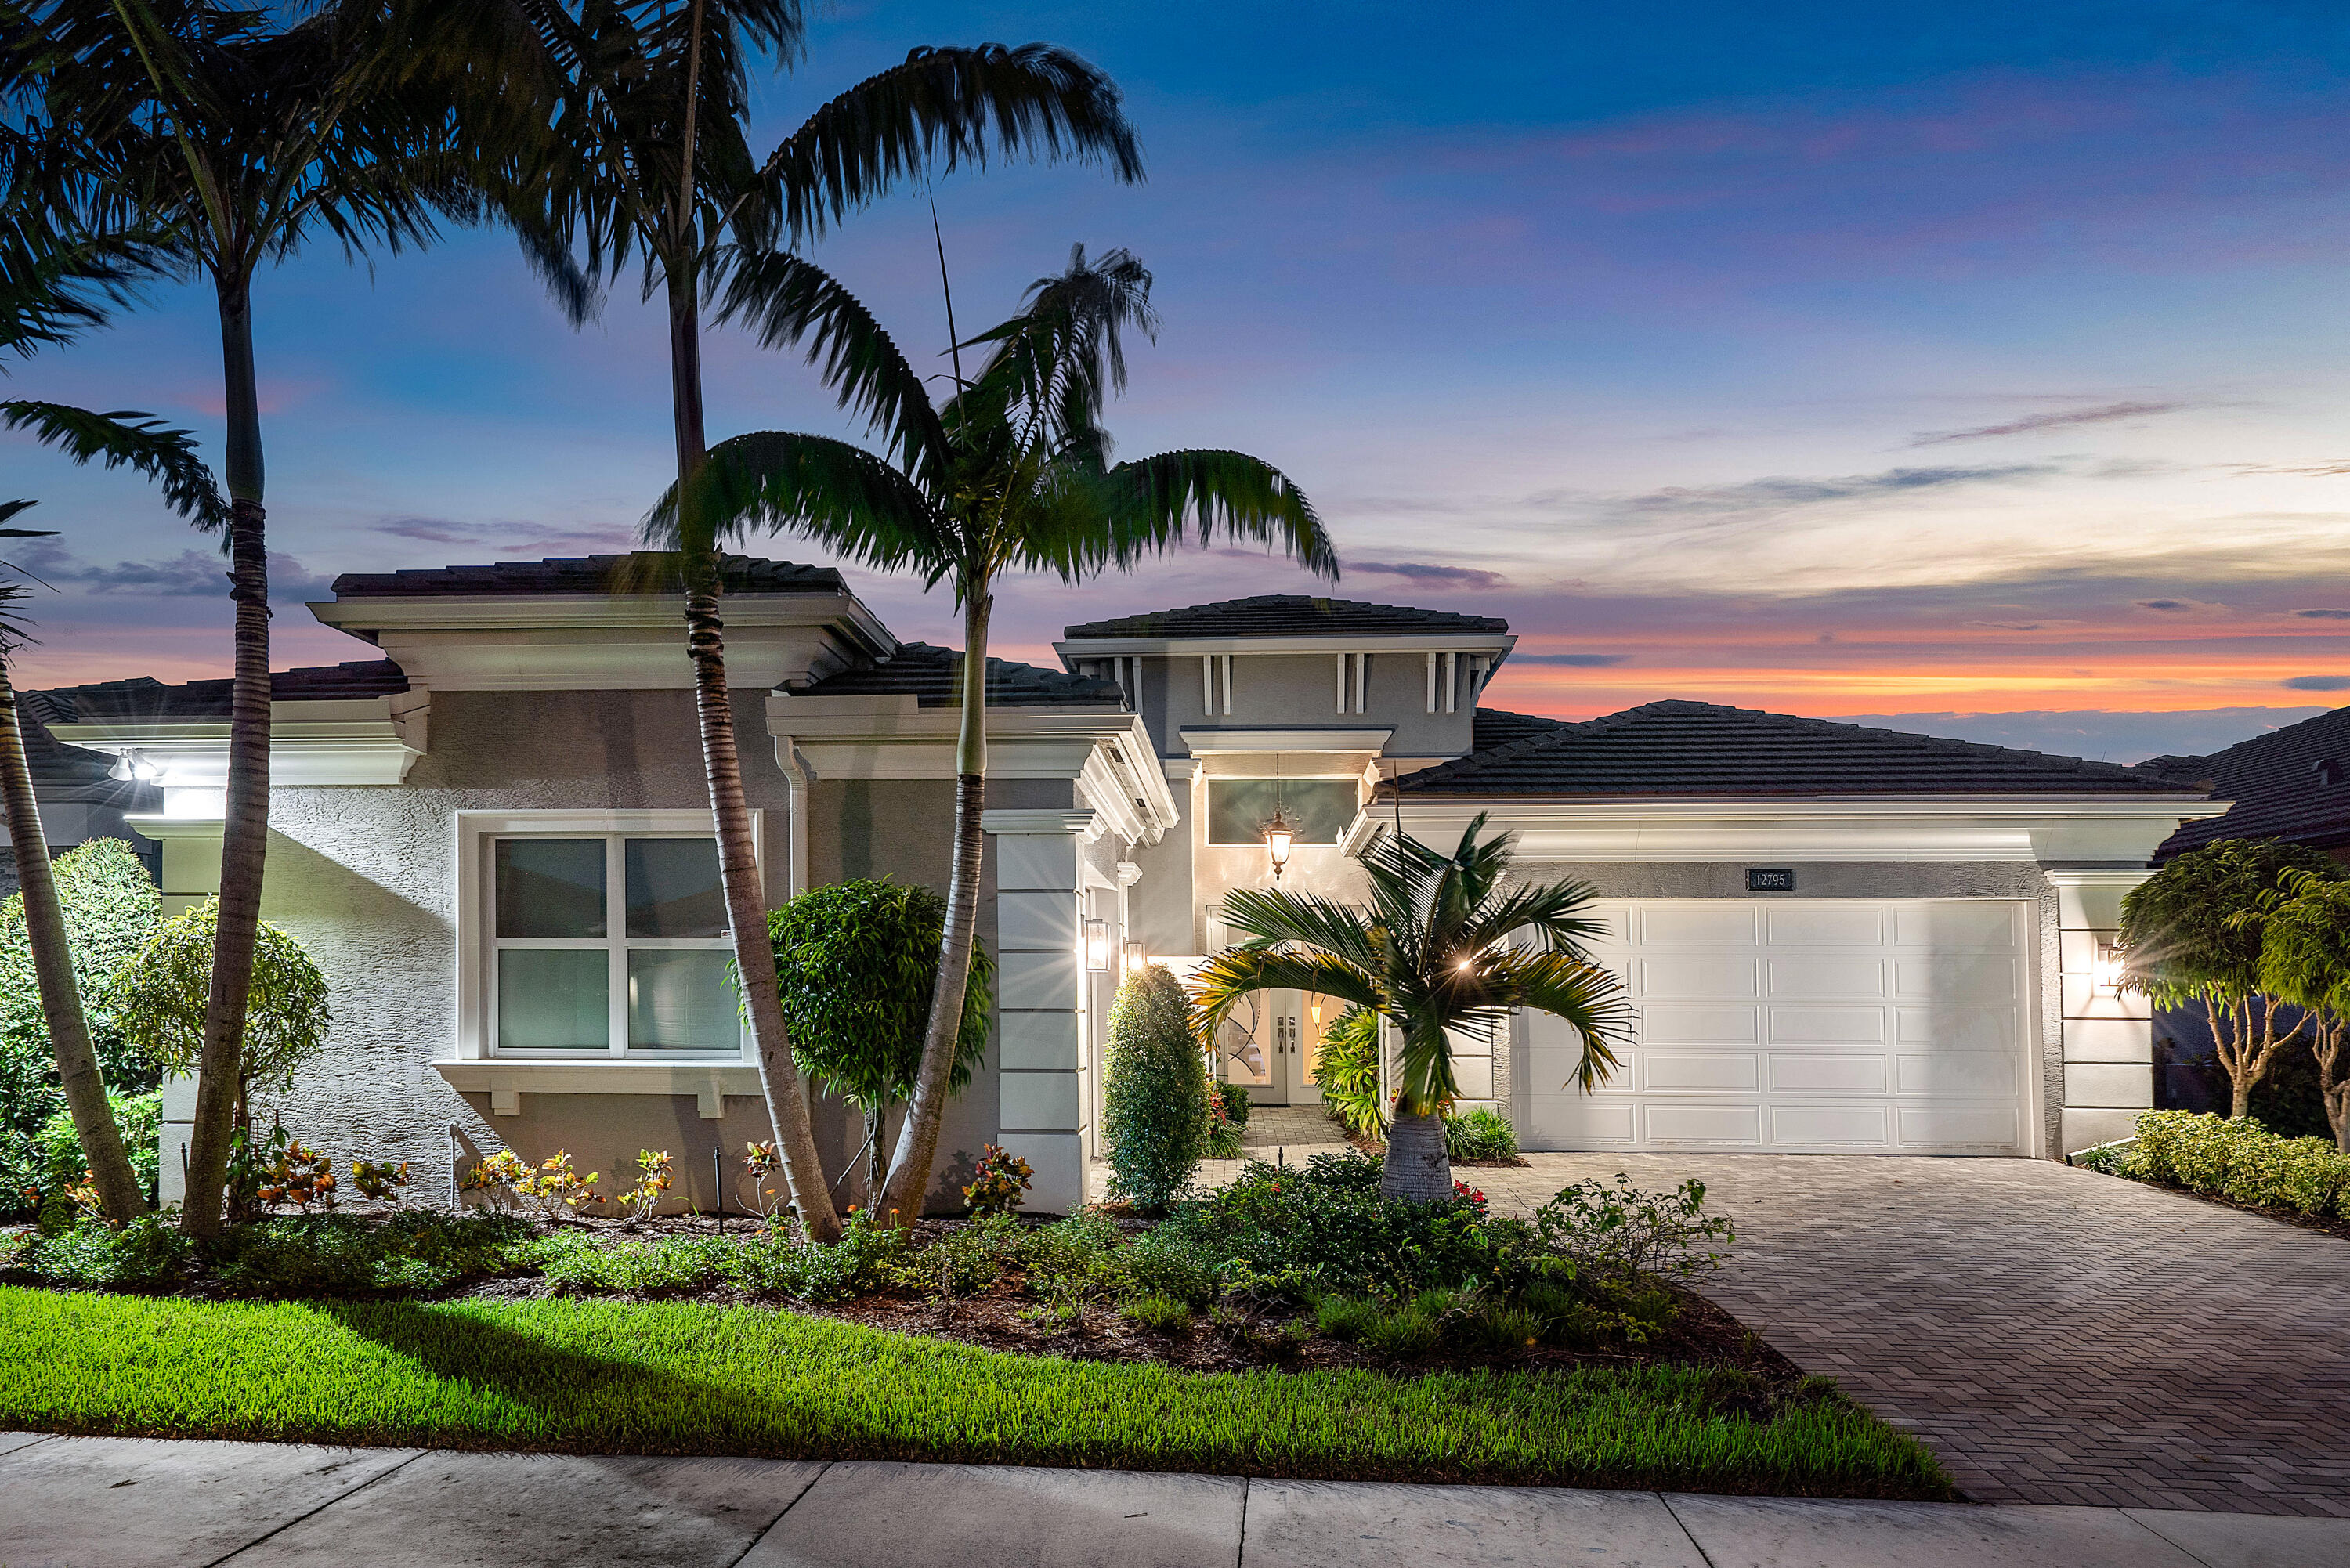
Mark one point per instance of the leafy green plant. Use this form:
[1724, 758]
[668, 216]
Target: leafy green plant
[41, 1167]
[999, 1181]
[298, 1175]
[653, 1181]
[1234, 1098]
[1348, 1073]
[1346, 1318]
[414, 1252]
[1163, 1314]
[145, 1253]
[2239, 1160]
[1405, 1334]
[157, 999]
[1155, 1096]
[1224, 1139]
[380, 1181]
[1480, 1134]
[858, 963]
[2306, 959]
[1611, 1235]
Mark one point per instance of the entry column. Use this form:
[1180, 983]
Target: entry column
[2108, 1038]
[1040, 992]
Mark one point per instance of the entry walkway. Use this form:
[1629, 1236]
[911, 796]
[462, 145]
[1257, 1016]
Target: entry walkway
[110, 1502]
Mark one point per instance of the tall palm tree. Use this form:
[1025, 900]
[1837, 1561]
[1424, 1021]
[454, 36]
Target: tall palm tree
[1437, 951]
[649, 163]
[1011, 475]
[217, 142]
[170, 456]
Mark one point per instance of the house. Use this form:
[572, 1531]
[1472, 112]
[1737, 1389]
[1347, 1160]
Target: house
[2288, 784]
[493, 834]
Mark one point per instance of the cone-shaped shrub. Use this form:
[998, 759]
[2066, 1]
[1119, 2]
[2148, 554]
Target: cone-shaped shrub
[1155, 1115]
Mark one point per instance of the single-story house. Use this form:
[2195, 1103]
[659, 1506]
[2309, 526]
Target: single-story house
[493, 834]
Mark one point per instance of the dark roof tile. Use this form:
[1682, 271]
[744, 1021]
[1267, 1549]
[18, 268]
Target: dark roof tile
[1285, 615]
[1699, 749]
[642, 572]
[1493, 728]
[144, 697]
[2277, 784]
[928, 674]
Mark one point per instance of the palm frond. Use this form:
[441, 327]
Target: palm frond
[1271, 915]
[815, 487]
[129, 439]
[1220, 983]
[1583, 993]
[1151, 504]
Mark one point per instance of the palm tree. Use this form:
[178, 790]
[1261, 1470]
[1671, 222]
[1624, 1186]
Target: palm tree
[170, 456]
[1010, 475]
[650, 164]
[213, 141]
[1436, 951]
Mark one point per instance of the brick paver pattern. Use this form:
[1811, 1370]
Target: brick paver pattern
[2056, 1336]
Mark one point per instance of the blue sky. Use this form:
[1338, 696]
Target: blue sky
[1978, 366]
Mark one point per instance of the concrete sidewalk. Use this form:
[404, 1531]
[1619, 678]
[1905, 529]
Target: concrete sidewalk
[96, 1502]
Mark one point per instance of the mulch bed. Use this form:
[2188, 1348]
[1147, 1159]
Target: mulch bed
[2331, 1226]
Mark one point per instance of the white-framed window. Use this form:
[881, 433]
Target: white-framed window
[595, 936]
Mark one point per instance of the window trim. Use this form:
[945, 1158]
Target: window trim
[475, 925]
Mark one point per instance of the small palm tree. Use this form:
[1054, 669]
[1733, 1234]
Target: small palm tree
[1011, 475]
[1438, 950]
[646, 158]
[209, 140]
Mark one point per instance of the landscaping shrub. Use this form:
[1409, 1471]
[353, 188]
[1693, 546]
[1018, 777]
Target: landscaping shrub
[1164, 1314]
[1611, 1236]
[999, 1182]
[1155, 1094]
[1348, 1073]
[1479, 1135]
[45, 1164]
[419, 1251]
[147, 1252]
[1345, 1317]
[157, 997]
[1406, 1333]
[1234, 1098]
[2239, 1160]
[1224, 1139]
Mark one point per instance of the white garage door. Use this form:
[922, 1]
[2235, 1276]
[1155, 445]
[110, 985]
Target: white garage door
[1819, 1026]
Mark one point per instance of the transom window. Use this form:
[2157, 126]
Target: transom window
[1320, 809]
[611, 944]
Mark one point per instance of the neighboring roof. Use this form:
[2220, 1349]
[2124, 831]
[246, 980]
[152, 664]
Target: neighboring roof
[61, 773]
[928, 674]
[144, 697]
[2276, 785]
[642, 572]
[1285, 615]
[1699, 749]
[1494, 729]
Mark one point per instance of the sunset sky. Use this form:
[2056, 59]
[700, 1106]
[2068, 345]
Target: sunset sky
[1981, 367]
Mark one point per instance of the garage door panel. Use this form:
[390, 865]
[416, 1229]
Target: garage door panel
[1956, 980]
[1824, 925]
[1671, 1072]
[1667, 1122]
[1693, 979]
[1841, 979]
[1827, 1025]
[1817, 1126]
[1670, 1024]
[1724, 922]
[1809, 1073]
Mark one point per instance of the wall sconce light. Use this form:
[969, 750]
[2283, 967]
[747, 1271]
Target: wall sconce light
[1279, 835]
[1133, 955]
[1098, 945]
[2105, 973]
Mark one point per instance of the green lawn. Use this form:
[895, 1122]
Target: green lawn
[690, 1379]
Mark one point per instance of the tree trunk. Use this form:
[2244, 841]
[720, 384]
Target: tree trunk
[738, 858]
[245, 837]
[2333, 1092]
[1417, 1166]
[909, 1183]
[118, 1196]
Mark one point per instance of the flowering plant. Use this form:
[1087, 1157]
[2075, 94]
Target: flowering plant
[998, 1184]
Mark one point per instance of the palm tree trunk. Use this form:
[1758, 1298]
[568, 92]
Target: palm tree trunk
[245, 836]
[1417, 1166]
[909, 1184]
[118, 1196]
[721, 763]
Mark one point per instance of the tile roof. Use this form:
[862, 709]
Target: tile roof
[928, 674]
[1700, 749]
[1284, 615]
[144, 697]
[643, 571]
[2277, 786]
[1493, 728]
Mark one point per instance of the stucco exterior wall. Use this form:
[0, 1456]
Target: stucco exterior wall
[1301, 688]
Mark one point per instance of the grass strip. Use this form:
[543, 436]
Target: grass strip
[693, 1379]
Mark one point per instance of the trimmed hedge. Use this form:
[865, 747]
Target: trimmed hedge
[2239, 1160]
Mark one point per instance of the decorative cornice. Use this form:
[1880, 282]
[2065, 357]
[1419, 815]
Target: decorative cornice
[1078, 823]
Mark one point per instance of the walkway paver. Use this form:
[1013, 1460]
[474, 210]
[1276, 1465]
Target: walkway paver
[2057, 1336]
[85, 1502]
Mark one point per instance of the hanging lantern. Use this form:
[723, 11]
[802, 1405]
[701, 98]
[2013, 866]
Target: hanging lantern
[1279, 836]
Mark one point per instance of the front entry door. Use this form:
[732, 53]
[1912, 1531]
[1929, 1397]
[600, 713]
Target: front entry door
[1270, 1044]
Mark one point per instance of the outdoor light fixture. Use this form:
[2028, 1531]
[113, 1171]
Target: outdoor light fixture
[1280, 834]
[1133, 959]
[134, 764]
[1098, 945]
[2106, 975]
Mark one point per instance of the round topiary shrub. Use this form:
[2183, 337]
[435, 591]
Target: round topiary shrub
[158, 1002]
[1155, 1111]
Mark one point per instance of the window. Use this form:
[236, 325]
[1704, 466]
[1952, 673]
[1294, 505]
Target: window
[609, 944]
[1238, 809]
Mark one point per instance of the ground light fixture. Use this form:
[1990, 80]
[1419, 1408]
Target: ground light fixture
[1097, 944]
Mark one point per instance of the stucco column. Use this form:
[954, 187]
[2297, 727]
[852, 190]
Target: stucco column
[1040, 992]
[190, 874]
[2108, 1039]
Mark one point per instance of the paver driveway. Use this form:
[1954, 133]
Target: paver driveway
[2057, 1336]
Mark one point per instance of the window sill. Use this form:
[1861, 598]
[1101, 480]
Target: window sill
[505, 1082]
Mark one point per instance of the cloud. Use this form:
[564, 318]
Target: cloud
[2028, 423]
[2310, 471]
[191, 574]
[1427, 572]
[2317, 683]
[2170, 606]
[1571, 660]
[1779, 492]
[2322, 613]
[431, 530]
